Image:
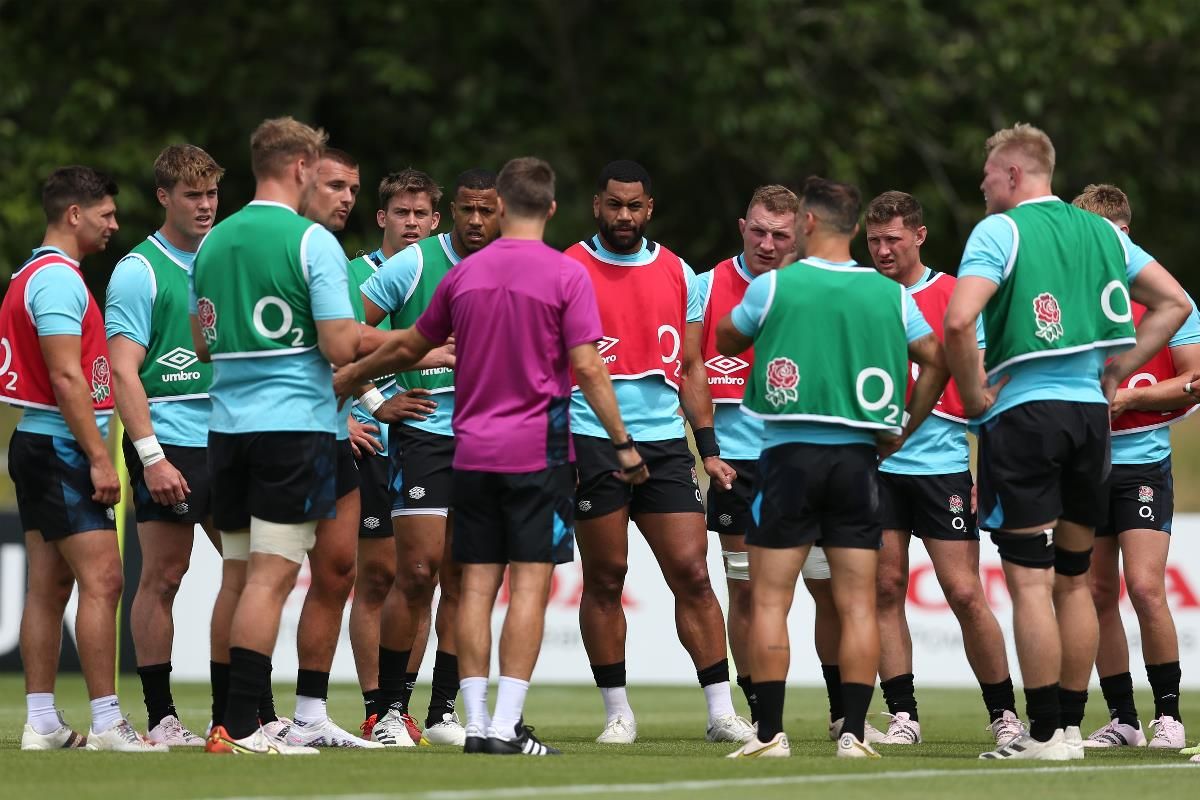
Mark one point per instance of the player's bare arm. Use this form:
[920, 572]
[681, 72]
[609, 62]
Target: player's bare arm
[1167, 308]
[167, 486]
[931, 382]
[338, 340]
[401, 351]
[970, 296]
[1165, 395]
[731, 341]
[696, 400]
[596, 386]
[71, 390]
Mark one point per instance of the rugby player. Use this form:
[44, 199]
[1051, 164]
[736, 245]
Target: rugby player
[926, 490]
[820, 327]
[513, 481]
[271, 308]
[422, 452]
[652, 314]
[1053, 285]
[162, 395]
[407, 213]
[1137, 529]
[54, 365]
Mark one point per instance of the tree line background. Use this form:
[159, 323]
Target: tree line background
[714, 96]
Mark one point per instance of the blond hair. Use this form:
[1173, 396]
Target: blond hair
[185, 163]
[1106, 200]
[277, 142]
[1031, 143]
[776, 199]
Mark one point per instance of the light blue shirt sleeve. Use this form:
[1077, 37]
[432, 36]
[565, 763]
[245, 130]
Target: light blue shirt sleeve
[391, 284]
[58, 300]
[988, 249]
[747, 316]
[703, 284]
[1189, 331]
[917, 326]
[980, 336]
[1135, 257]
[328, 287]
[695, 294]
[129, 301]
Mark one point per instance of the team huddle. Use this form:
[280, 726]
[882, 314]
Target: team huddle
[458, 409]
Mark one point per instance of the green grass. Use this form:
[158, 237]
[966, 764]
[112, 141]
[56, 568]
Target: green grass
[670, 750]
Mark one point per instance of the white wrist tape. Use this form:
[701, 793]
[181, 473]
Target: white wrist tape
[371, 400]
[149, 450]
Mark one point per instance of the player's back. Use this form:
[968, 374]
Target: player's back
[254, 280]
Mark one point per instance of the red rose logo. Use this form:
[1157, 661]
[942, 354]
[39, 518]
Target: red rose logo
[956, 504]
[101, 375]
[783, 376]
[206, 313]
[1048, 317]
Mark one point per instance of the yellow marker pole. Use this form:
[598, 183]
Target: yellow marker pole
[116, 434]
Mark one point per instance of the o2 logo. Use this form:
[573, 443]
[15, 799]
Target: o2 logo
[7, 379]
[675, 344]
[285, 320]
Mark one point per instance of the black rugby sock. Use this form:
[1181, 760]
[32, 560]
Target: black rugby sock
[1118, 696]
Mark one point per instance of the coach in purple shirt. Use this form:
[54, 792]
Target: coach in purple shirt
[524, 318]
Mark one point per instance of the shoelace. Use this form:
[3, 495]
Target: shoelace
[904, 727]
[126, 732]
[1163, 728]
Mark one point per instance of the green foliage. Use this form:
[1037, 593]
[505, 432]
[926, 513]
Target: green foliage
[715, 97]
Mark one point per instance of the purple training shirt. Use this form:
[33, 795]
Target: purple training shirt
[515, 308]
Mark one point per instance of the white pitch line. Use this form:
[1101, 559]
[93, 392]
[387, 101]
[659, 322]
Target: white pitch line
[580, 790]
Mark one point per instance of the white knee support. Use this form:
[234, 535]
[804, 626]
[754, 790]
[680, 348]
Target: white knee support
[816, 566]
[235, 545]
[291, 540]
[737, 565]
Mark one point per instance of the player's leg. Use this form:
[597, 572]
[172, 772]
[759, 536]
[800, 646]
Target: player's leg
[47, 591]
[441, 722]
[854, 570]
[895, 641]
[827, 634]
[376, 571]
[602, 535]
[233, 580]
[729, 515]
[480, 584]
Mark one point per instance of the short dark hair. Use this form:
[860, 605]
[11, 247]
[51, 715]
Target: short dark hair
[408, 180]
[340, 156]
[476, 179]
[623, 171]
[526, 185]
[840, 203]
[889, 205]
[74, 185]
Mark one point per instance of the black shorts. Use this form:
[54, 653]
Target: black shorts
[347, 469]
[928, 506]
[1140, 497]
[192, 463]
[284, 477]
[817, 494]
[53, 482]
[671, 489]
[729, 512]
[524, 517]
[376, 499]
[1041, 461]
[422, 470]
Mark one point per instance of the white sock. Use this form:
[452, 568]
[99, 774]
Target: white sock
[510, 700]
[310, 709]
[40, 712]
[616, 703]
[720, 702]
[475, 692]
[106, 713]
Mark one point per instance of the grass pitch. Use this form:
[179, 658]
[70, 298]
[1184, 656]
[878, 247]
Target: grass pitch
[670, 760]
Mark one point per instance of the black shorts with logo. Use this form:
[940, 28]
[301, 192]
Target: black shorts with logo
[524, 516]
[817, 494]
[671, 489]
[1041, 461]
[1140, 497]
[375, 486]
[347, 469]
[53, 482]
[192, 463]
[729, 511]
[928, 506]
[422, 470]
[284, 477]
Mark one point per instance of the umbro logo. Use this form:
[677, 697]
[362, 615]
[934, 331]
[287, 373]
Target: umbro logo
[180, 508]
[416, 492]
[585, 505]
[726, 364]
[725, 519]
[371, 523]
[179, 359]
[606, 343]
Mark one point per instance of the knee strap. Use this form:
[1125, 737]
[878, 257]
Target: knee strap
[1033, 550]
[737, 565]
[1072, 563]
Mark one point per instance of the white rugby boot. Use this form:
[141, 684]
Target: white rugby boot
[170, 731]
[63, 738]
[1168, 734]
[618, 730]
[1116, 734]
[902, 729]
[729, 728]
[873, 735]
[391, 731]
[1026, 747]
[850, 747]
[326, 733]
[449, 731]
[778, 747]
[258, 743]
[1073, 739]
[122, 738]
[1007, 728]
